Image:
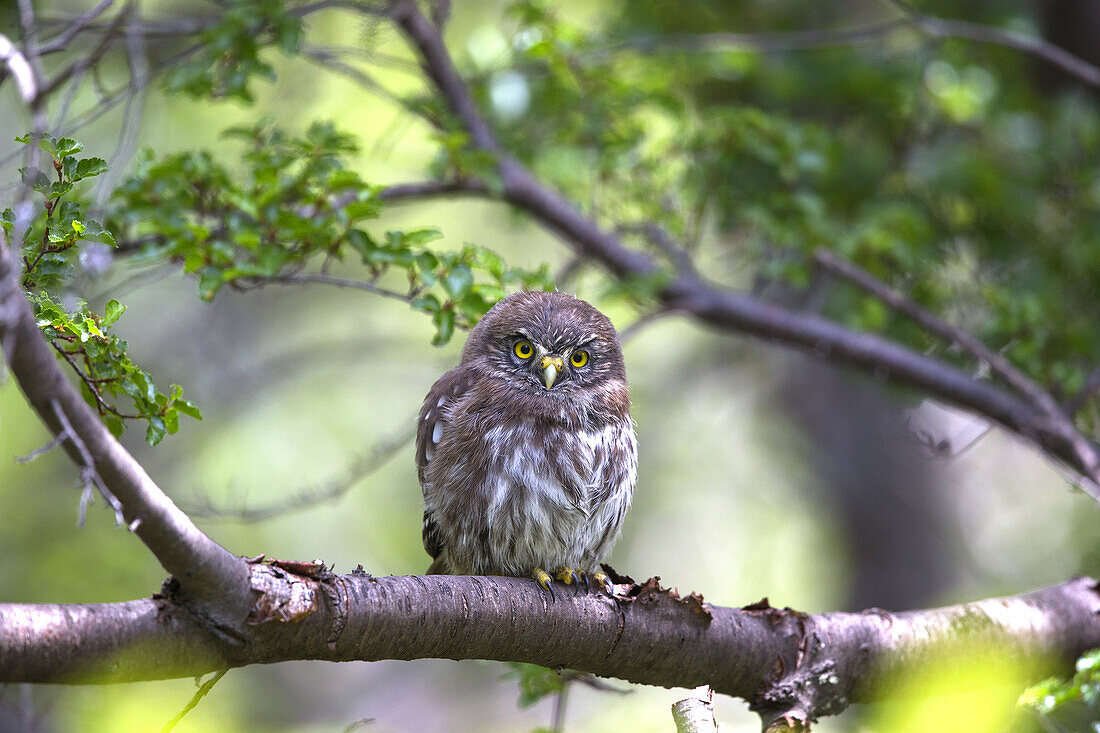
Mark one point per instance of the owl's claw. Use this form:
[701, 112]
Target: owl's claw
[544, 580]
[603, 582]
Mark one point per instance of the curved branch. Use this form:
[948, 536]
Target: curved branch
[787, 664]
[204, 568]
[710, 303]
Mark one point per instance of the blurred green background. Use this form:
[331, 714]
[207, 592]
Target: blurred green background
[762, 472]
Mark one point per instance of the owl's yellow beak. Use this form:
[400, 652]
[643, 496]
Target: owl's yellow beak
[551, 367]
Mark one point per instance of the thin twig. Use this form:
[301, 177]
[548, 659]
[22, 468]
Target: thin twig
[942, 28]
[42, 450]
[88, 473]
[339, 282]
[195, 700]
[307, 498]
[561, 702]
[61, 41]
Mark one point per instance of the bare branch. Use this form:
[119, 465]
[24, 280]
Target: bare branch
[42, 450]
[930, 26]
[339, 282]
[78, 67]
[695, 714]
[195, 700]
[941, 28]
[19, 68]
[645, 634]
[62, 40]
[813, 38]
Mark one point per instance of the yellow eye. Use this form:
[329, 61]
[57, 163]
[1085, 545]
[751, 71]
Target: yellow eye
[523, 349]
[579, 358]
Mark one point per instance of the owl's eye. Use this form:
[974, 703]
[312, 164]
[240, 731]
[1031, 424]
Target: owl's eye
[523, 349]
[579, 358]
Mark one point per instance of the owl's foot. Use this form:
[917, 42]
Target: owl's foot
[603, 582]
[599, 579]
[569, 576]
[544, 580]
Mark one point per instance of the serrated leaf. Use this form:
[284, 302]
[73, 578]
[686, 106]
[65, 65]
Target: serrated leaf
[88, 167]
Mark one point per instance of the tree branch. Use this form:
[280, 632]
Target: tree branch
[1085, 452]
[786, 664]
[709, 303]
[204, 569]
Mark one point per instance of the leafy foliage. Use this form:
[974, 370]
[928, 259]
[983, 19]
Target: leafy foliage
[1077, 697]
[230, 50]
[535, 682]
[81, 336]
[296, 203]
[932, 167]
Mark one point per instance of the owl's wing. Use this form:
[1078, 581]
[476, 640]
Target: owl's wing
[430, 428]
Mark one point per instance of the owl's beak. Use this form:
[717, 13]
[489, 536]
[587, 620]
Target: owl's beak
[551, 367]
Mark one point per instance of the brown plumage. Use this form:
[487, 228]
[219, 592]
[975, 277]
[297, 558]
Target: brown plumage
[525, 451]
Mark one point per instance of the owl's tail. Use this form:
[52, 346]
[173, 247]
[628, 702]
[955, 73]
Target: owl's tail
[437, 567]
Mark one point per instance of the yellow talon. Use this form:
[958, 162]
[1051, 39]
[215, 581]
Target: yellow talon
[568, 576]
[603, 581]
[543, 579]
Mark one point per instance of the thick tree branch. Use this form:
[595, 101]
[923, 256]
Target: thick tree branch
[710, 303]
[205, 569]
[786, 664]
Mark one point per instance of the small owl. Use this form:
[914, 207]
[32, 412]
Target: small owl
[525, 451]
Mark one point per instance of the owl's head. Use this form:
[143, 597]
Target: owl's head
[547, 343]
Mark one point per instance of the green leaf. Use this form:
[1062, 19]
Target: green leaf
[36, 180]
[66, 146]
[188, 408]
[418, 237]
[88, 167]
[112, 312]
[156, 430]
[458, 282]
[444, 326]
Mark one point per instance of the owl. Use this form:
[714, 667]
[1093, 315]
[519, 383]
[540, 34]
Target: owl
[526, 451]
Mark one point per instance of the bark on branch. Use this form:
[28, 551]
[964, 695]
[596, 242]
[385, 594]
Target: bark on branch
[789, 665]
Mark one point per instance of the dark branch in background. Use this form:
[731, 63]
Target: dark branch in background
[929, 26]
[943, 29]
[204, 568]
[714, 305]
[788, 665]
[1085, 451]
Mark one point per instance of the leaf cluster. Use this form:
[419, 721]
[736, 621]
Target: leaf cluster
[1078, 697]
[935, 168]
[296, 203]
[80, 335]
[230, 51]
